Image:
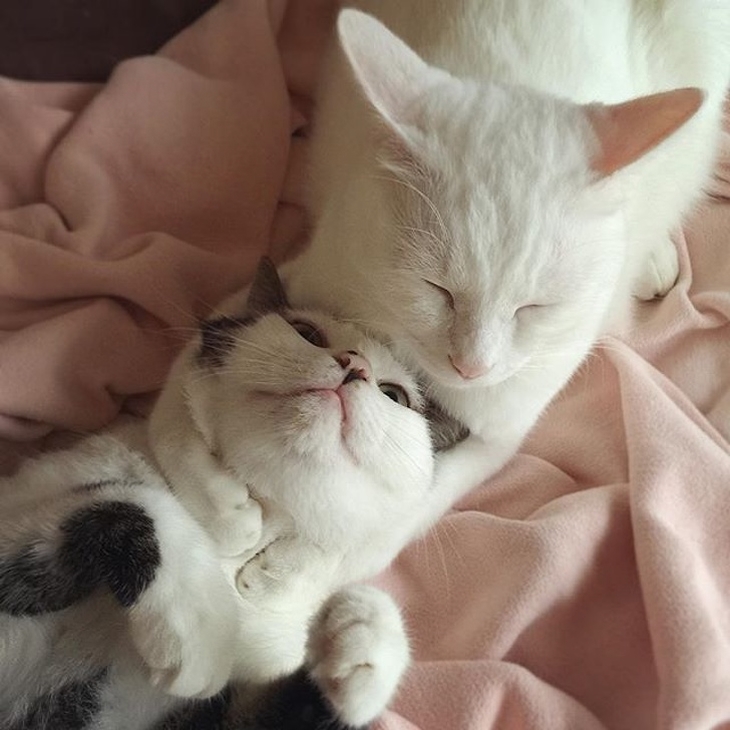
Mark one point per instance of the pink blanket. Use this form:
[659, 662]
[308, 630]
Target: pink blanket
[585, 587]
[128, 211]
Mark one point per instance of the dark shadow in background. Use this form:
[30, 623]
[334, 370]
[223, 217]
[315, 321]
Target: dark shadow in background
[82, 40]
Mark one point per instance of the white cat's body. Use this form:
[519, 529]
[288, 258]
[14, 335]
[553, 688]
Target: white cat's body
[529, 214]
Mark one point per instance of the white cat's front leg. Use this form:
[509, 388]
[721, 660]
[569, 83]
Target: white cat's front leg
[459, 470]
[357, 652]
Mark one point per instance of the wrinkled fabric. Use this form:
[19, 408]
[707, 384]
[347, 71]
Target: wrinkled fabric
[128, 210]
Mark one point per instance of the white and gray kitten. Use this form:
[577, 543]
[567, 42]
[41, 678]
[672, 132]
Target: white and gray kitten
[118, 605]
[307, 449]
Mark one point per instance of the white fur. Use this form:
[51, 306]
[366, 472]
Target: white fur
[358, 651]
[187, 633]
[340, 493]
[42, 653]
[468, 164]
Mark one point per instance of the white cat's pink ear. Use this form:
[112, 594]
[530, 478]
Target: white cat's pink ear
[627, 131]
[390, 74]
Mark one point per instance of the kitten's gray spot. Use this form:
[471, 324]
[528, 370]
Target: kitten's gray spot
[218, 336]
[267, 292]
[32, 582]
[292, 703]
[109, 543]
[446, 431]
[113, 544]
[69, 708]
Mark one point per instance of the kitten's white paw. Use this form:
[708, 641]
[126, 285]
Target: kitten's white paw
[238, 529]
[259, 575]
[660, 273]
[185, 632]
[357, 652]
[286, 566]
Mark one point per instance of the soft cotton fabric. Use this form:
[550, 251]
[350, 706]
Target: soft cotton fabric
[127, 211]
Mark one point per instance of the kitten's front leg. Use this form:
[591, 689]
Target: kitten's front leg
[281, 588]
[357, 652]
[220, 502]
[236, 520]
[218, 499]
[287, 566]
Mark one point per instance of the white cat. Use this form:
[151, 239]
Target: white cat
[489, 190]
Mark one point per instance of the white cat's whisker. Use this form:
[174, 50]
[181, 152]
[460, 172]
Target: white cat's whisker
[422, 195]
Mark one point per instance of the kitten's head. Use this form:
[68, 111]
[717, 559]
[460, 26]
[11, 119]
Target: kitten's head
[503, 205]
[321, 420]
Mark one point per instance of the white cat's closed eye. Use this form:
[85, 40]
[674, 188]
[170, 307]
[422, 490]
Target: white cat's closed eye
[443, 291]
[527, 308]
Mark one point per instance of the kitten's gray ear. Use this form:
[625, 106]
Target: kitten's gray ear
[446, 431]
[267, 293]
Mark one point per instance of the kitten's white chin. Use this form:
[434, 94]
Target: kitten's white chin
[319, 403]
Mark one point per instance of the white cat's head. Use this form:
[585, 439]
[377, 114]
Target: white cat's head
[502, 204]
[320, 420]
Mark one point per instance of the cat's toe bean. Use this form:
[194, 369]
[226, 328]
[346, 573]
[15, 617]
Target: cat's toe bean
[256, 575]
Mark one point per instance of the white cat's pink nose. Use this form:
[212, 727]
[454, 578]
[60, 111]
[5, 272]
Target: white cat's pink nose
[468, 370]
[356, 367]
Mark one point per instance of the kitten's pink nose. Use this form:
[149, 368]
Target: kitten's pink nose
[356, 367]
[469, 370]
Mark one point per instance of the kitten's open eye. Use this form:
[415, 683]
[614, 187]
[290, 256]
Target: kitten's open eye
[309, 332]
[395, 393]
[447, 295]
